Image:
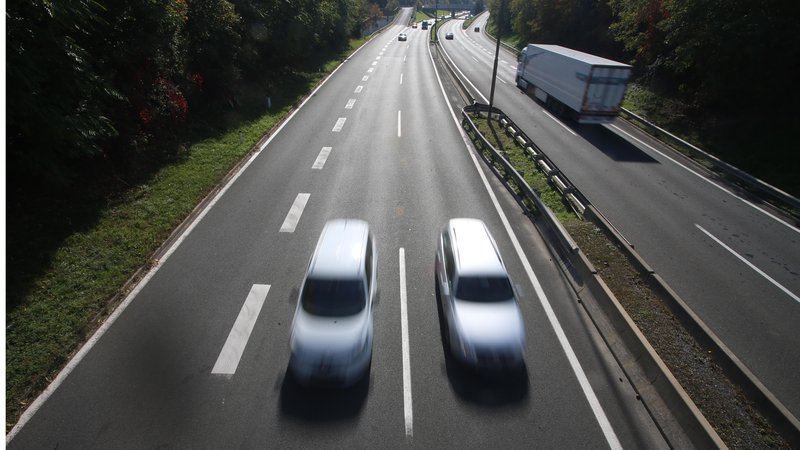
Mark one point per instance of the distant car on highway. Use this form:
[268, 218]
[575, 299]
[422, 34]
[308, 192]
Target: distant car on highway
[448, 36]
[331, 338]
[414, 25]
[476, 29]
[402, 37]
[480, 308]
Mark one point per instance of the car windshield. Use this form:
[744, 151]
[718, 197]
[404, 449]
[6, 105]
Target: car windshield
[333, 297]
[484, 289]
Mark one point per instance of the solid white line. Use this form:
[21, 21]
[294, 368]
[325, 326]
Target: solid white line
[749, 264]
[399, 121]
[464, 77]
[558, 122]
[92, 341]
[290, 223]
[358, 89]
[323, 156]
[232, 351]
[339, 124]
[407, 406]
[350, 104]
[401, 79]
[702, 177]
[588, 392]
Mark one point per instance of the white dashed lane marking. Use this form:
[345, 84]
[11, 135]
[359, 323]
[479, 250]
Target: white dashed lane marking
[323, 156]
[339, 124]
[290, 223]
[228, 359]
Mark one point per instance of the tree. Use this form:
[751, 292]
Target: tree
[718, 52]
[213, 36]
[55, 94]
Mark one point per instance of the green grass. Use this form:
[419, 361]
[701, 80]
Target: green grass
[51, 314]
[526, 166]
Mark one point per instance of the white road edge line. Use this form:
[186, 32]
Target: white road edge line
[407, 405]
[688, 169]
[588, 392]
[232, 351]
[293, 217]
[559, 122]
[26, 416]
[464, 77]
[321, 158]
[399, 122]
[749, 264]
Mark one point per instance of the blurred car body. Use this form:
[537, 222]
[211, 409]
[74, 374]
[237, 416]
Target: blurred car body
[331, 338]
[484, 323]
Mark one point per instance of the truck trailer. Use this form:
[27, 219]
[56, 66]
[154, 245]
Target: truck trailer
[585, 87]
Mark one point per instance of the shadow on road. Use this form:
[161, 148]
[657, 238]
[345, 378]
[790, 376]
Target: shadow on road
[613, 145]
[321, 404]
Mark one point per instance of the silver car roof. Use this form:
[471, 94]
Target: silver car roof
[340, 250]
[474, 249]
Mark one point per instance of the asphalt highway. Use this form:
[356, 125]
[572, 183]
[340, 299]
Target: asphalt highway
[735, 261]
[197, 355]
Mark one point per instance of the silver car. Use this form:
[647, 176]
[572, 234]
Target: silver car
[484, 323]
[331, 340]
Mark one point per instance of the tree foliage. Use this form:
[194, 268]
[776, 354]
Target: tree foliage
[717, 52]
[116, 80]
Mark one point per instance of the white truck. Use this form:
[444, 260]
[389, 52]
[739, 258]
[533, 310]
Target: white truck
[587, 88]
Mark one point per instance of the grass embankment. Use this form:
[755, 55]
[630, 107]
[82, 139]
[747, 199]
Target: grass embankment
[723, 404]
[57, 300]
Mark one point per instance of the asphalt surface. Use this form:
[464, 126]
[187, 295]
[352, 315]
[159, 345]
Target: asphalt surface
[735, 262]
[399, 162]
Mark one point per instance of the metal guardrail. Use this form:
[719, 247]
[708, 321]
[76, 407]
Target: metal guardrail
[569, 193]
[564, 237]
[670, 139]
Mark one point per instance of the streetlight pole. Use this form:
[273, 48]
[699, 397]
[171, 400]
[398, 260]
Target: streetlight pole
[496, 55]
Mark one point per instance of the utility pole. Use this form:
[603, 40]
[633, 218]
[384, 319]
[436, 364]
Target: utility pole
[496, 55]
[436, 22]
